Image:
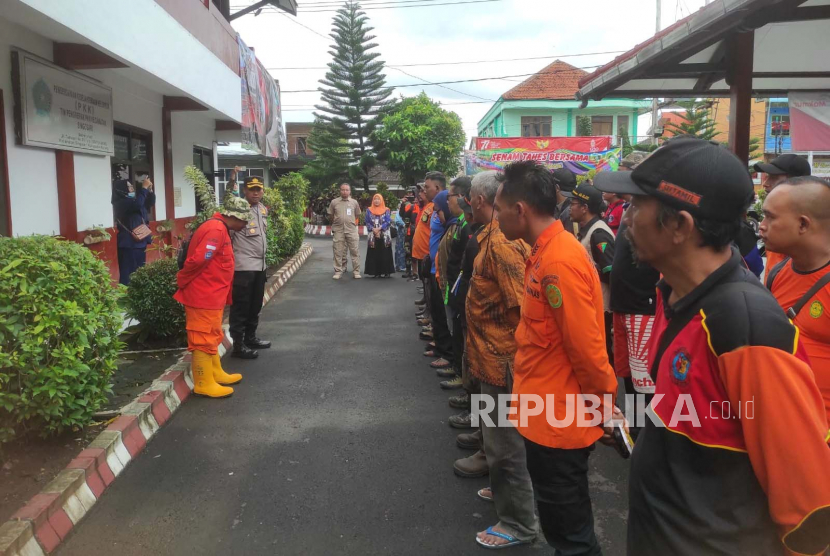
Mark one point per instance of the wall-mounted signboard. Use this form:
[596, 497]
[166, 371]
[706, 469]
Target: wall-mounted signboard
[60, 109]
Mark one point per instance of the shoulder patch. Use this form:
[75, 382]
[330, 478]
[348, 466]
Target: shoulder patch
[554, 295]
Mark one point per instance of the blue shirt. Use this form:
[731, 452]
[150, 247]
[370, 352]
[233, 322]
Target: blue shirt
[436, 233]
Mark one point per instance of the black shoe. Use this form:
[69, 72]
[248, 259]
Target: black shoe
[241, 351]
[255, 343]
[421, 301]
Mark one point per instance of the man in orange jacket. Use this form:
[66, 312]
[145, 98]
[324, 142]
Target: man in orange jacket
[560, 351]
[204, 289]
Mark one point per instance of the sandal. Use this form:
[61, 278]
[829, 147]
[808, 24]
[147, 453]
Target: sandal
[483, 496]
[430, 353]
[511, 541]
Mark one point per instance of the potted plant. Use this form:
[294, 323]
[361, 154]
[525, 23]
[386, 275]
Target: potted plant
[164, 226]
[96, 234]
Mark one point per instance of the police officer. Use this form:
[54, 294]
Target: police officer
[249, 277]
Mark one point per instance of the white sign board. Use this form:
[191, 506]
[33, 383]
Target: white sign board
[62, 109]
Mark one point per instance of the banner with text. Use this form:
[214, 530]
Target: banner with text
[578, 154]
[262, 127]
[61, 109]
[810, 121]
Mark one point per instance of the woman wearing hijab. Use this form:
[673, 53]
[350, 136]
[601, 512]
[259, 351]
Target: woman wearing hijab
[400, 247]
[132, 209]
[379, 260]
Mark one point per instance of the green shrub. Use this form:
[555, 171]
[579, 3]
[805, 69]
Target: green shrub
[59, 326]
[286, 202]
[150, 299]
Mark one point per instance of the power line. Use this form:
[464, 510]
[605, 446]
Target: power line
[461, 62]
[460, 80]
[443, 86]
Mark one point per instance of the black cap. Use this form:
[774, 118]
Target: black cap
[565, 179]
[689, 174]
[252, 182]
[588, 194]
[786, 164]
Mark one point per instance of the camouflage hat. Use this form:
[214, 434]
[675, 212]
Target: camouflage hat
[236, 207]
[633, 159]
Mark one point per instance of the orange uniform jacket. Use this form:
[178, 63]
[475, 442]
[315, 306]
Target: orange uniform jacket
[813, 321]
[561, 338]
[206, 279]
[420, 242]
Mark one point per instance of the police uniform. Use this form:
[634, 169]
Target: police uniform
[249, 278]
[343, 214]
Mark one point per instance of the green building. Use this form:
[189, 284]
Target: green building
[544, 105]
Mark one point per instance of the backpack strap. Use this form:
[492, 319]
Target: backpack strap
[774, 272]
[792, 312]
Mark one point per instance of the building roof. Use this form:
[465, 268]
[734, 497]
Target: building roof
[558, 81]
[692, 57]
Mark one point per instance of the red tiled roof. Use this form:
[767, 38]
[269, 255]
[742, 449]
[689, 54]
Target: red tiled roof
[558, 81]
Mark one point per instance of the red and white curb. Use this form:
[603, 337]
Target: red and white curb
[48, 517]
[325, 231]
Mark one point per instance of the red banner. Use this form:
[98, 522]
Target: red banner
[544, 144]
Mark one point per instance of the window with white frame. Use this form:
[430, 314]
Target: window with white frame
[225, 176]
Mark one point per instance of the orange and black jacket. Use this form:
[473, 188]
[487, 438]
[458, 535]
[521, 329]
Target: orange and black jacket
[754, 476]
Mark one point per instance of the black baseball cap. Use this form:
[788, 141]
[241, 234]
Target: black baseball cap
[588, 194]
[565, 179]
[688, 174]
[786, 164]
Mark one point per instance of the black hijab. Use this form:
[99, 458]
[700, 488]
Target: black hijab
[120, 190]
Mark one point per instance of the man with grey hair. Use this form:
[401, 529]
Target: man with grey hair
[493, 308]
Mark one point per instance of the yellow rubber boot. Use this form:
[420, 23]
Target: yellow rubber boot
[220, 375]
[203, 382]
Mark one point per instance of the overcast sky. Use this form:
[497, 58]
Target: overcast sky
[493, 30]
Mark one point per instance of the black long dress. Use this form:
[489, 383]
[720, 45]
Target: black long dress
[379, 258]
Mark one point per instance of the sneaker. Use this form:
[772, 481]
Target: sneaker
[440, 363]
[426, 328]
[357, 276]
[461, 401]
[449, 372]
[463, 420]
[337, 275]
[453, 384]
[473, 466]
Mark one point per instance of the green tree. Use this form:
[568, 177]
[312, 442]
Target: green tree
[331, 157]
[699, 122]
[418, 136]
[583, 126]
[354, 89]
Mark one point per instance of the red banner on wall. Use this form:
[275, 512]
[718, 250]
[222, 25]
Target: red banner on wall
[578, 154]
[544, 144]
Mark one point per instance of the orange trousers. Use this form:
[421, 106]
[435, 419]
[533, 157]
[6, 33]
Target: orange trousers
[204, 329]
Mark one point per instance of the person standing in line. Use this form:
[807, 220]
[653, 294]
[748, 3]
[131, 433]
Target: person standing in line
[420, 241]
[565, 181]
[132, 209]
[560, 350]
[249, 246]
[343, 214]
[379, 259]
[439, 225]
[598, 240]
[410, 211]
[633, 302]
[400, 242]
[205, 287]
[751, 479]
[613, 214]
[493, 313]
[777, 171]
[797, 225]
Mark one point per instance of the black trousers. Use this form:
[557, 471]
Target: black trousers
[248, 292]
[560, 486]
[130, 260]
[440, 329]
[457, 344]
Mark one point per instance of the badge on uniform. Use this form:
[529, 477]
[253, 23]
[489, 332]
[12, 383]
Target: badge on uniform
[252, 231]
[348, 212]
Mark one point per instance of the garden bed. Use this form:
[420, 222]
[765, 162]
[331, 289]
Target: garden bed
[29, 463]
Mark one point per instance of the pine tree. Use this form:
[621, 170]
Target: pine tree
[354, 89]
[698, 121]
[331, 157]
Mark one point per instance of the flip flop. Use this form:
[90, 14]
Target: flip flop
[440, 364]
[429, 353]
[481, 495]
[511, 541]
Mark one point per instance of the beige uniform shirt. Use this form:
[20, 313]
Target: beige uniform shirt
[343, 213]
[249, 244]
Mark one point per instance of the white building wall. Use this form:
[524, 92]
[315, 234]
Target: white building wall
[132, 105]
[32, 175]
[189, 129]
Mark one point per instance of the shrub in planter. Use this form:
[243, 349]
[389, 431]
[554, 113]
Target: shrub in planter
[150, 300]
[59, 326]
